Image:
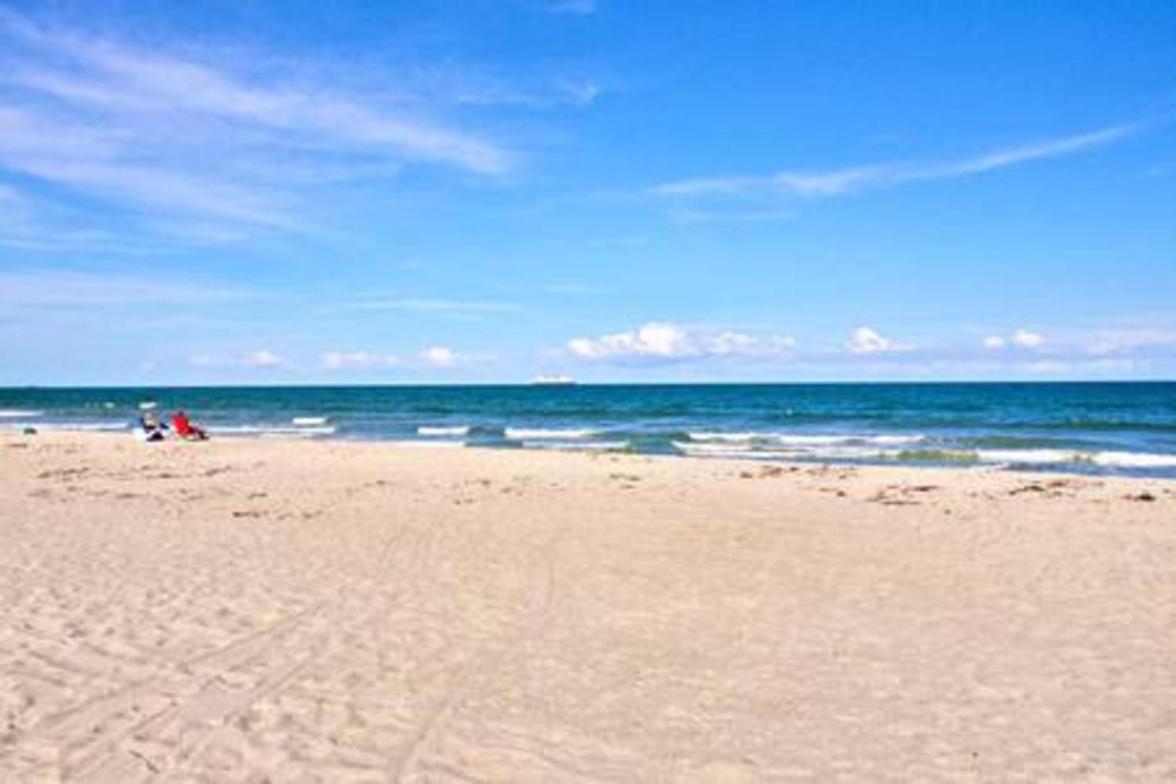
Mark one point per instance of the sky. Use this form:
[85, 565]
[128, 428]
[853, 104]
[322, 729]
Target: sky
[469, 191]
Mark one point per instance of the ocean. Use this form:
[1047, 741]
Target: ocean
[1098, 428]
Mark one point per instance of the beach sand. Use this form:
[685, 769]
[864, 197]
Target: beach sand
[251, 610]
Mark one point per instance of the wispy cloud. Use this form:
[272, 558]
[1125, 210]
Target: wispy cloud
[183, 136]
[574, 7]
[693, 216]
[441, 306]
[1128, 340]
[38, 289]
[836, 182]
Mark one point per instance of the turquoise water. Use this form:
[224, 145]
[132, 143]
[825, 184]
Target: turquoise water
[1095, 427]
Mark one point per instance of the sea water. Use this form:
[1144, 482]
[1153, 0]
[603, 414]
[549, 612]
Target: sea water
[1101, 428]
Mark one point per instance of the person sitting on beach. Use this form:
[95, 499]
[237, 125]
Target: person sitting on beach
[152, 429]
[185, 429]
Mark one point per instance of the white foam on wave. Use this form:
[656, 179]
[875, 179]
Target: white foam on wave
[735, 451]
[733, 447]
[270, 430]
[593, 446]
[726, 437]
[544, 434]
[1110, 459]
[802, 440]
[1133, 460]
[443, 430]
[823, 451]
[19, 413]
[805, 439]
[812, 441]
[887, 440]
[85, 427]
[852, 453]
[1030, 456]
[310, 421]
[889, 448]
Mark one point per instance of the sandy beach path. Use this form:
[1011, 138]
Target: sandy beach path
[265, 610]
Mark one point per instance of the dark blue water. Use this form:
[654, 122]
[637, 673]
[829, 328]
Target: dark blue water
[1091, 427]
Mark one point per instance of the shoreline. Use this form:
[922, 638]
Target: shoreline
[1136, 473]
[349, 611]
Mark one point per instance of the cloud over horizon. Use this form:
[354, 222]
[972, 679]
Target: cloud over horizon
[662, 341]
[867, 340]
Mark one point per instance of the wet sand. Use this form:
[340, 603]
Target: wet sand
[238, 610]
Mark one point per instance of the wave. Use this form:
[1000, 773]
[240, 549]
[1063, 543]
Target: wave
[805, 439]
[1133, 460]
[454, 430]
[702, 449]
[1109, 459]
[84, 427]
[737, 452]
[831, 440]
[936, 455]
[544, 434]
[592, 446]
[310, 421]
[727, 437]
[827, 450]
[19, 413]
[271, 430]
[1030, 456]
[1009, 457]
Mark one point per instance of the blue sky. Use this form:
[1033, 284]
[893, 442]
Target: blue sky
[304, 192]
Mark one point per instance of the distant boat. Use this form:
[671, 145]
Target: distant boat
[554, 381]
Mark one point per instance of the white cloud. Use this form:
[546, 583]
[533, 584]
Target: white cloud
[866, 340]
[994, 342]
[665, 341]
[847, 180]
[263, 358]
[358, 360]
[1026, 339]
[439, 356]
